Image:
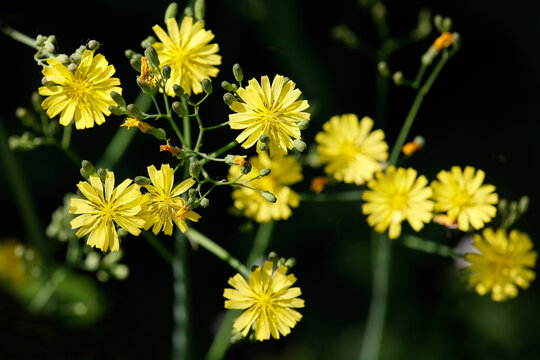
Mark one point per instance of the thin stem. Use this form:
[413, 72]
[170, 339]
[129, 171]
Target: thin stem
[177, 131]
[217, 126]
[181, 337]
[66, 136]
[187, 125]
[430, 247]
[158, 246]
[372, 340]
[219, 151]
[354, 195]
[47, 289]
[18, 36]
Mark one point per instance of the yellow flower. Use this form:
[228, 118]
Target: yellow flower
[463, 197]
[164, 202]
[503, 262]
[352, 152]
[270, 110]
[284, 171]
[104, 208]
[188, 52]
[395, 196]
[83, 95]
[267, 299]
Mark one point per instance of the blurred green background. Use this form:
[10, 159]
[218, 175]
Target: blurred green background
[483, 111]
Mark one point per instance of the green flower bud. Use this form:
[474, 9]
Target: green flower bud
[92, 261]
[93, 45]
[40, 40]
[158, 133]
[264, 139]
[268, 196]
[263, 146]
[446, 24]
[264, 172]
[246, 168]
[207, 86]
[523, 204]
[299, 145]
[437, 21]
[134, 111]
[26, 117]
[228, 99]
[166, 72]
[171, 12]
[129, 53]
[200, 10]
[194, 169]
[142, 180]
[205, 202]
[382, 66]
[135, 62]
[192, 193]
[303, 125]
[179, 108]
[146, 43]
[72, 67]
[188, 11]
[178, 90]
[503, 205]
[116, 110]
[117, 98]
[87, 169]
[273, 256]
[63, 58]
[290, 262]
[398, 78]
[152, 56]
[227, 86]
[121, 233]
[102, 173]
[237, 72]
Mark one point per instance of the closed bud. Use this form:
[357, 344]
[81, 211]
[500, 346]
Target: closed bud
[268, 196]
[264, 172]
[118, 98]
[430, 54]
[382, 66]
[188, 11]
[135, 62]
[398, 78]
[102, 173]
[237, 72]
[142, 180]
[245, 168]
[503, 205]
[200, 10]
[264, 138]
[87, 169]
[26, 117]
[93, 45]
[446, 24]
[129, 53]
[205, 202]
[166, 72]
[121, 233]
[179, 109]
[194, 169]
[158, 133]
[116, 110]
[146, 43]
[72, 67]
[178, 90]
[303, 125]
[207, 86]
[227, 86]
[273, 256]
[63, 58]
[171, 12]
[228, 98]
[438, 22]
[299, 145]
[290, 262]
[152, 56]
[523, 204]
[135, 111]
[263, 146]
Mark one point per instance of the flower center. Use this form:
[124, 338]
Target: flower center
[462, 199]
[107, 210]
[398, 201]
[77, 90]
[500, 264]
[264, 301]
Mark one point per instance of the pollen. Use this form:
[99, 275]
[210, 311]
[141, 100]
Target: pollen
[182, 212]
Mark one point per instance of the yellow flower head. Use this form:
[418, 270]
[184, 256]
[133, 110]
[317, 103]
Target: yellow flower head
[267, 300]
[503, 262]
[351, 151]
[164, 202]
[141, 125]
[83, 95]
[285, 171]
[271, 110]
[395, 196]
[188, 52]
[104, 208]
[461, 195]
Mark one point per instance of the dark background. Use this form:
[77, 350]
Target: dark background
[483, 111]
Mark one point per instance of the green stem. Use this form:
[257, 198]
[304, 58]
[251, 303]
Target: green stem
[430, 247]
[187, 124]
[181, 336]
[409, 120]
[47, 289]
[18, 36]
[372, 340]
[66, 136]
[158, 246]
[219, 152]
[354, 195]
[222, 340]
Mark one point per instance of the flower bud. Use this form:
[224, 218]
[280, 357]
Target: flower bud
[135, 62]
[158, 133]
[523, 204]
[263, 146]
[299, 145]
[178, 90]
[446, 24]
[268, 196]
[437, 21]
[93, 45]
[303, 124]
[63, 58]
[135, 111]
[171, 12]
[142, 180]
[246, 167]
[384, 71]
[72, 67]
[122, 233]
[398, 78]
[273, 256]
[188, 11]
[205, 202]
[194, 169]
[152, 56]
[146, 43]
[228, 98]
[179, 108]
[264, 172]
[166, 72]
[264, 138]
[117, 98]
[26, 117]
[290, 262]
[116, 110]
[102, 173]
[200, 10]
[207, 86]
[129, 53]
[120, 271]
[227, 86]
[237, 72]
[87, 169]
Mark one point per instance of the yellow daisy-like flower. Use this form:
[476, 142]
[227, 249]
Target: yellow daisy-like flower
[285, 171]
[268, 301]
[83, 95]
[188, 52]
[503, 262]
[271, 110]
[164, 202]
[395, 196]
[351, 151]
[104, 208]
[461, 195]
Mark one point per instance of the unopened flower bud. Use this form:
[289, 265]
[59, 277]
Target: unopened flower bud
[62, 58]
[188, 11]
[264, 172]
[129, 53]
[523, 204]
[166, 71]
[93, 45]
[398, 78]
[26, 117]
[263, 146]
[227, 86]
[299, 145]
[135, 62]
[179, 109]
[122, 233]
[303, 124]
[446, 24]
[268, 196]
[205, 202]
[246, 167]
[142, 180]
[199, 10]
[194, 169]
[158, 133]
[117, 98]
[437, 21]
[152, 56]
[178, 90]
[135, 111]
[102, 173]
[237, 72]
[146, 43]
[264, 138]
[120, 271]
[72, 67]
[87, 169]
[273, 256]
[207, 86]
[116, 110]
[171, 12]
[382, 66]
[228, 98]
[290, 262]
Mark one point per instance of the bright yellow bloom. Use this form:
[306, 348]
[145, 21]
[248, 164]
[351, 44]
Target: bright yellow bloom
[285, 171]
[270, 110]
[395, 196]
[267, 299]
[141, 125]
[164, 202]
[461, 195]
[83, 95]
[504, 262]
[104, 208]
[351, 151]
[188, 52]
